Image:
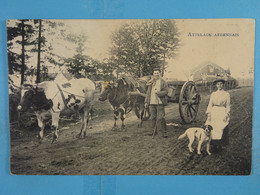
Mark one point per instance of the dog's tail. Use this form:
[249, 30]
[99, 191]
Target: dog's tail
[182, 135]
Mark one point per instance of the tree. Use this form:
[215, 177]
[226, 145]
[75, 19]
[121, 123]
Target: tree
[81, 65]
[39, 41]
[105, 70]
[27, 38]
[18, 33]
[139, 47]
[47, 30]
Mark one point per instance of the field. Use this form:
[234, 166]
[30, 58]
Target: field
[134, 152]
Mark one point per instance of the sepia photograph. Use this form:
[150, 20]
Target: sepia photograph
[131, 97]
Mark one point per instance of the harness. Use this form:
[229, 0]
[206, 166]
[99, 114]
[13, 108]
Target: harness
[40, 107]
[63, 98]
[51, 100]
[62, 95]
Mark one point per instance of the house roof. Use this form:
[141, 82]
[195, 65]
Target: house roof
[206, 64]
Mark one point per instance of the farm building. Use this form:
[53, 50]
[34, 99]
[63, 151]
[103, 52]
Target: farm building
[206, 73]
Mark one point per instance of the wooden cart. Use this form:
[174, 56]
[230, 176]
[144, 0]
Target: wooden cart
[181, 92]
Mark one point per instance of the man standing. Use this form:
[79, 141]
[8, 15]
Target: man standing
[156, 99]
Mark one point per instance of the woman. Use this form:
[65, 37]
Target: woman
[218, 113]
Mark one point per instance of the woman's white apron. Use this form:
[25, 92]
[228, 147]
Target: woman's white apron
[221, 120]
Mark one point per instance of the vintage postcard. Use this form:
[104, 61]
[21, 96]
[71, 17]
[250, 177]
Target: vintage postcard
[131, 97]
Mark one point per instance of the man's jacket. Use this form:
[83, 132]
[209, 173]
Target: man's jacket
[162, 94]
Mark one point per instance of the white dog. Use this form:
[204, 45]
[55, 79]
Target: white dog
[202, 134]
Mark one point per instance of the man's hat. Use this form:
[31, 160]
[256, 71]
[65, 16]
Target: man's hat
[157, 69]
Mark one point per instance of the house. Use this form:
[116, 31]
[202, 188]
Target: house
[206, 73]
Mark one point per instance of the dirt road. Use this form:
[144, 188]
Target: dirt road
[134, 152]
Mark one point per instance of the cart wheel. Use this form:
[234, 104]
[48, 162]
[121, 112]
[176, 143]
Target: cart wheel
[189, 101]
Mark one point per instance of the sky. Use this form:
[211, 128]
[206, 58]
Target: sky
[197, 47]
[235, 52]
[98, 34]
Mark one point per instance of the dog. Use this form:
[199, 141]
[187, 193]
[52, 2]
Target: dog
[202, 134]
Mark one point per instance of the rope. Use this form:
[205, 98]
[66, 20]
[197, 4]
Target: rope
[38, 108]
[72, 94]
[62, 95]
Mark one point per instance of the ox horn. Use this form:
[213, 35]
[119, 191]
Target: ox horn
[124, 81]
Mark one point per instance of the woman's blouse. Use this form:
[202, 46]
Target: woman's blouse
[221, 99]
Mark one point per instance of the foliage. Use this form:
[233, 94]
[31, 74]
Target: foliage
[50, 30]
[81, 65]
[21, 28]
[105, 70]
[79, 40]
[30, 35]
[139, 47]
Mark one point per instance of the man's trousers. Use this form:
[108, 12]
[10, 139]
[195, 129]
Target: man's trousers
[158, 117]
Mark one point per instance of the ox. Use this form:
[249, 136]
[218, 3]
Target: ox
[124, 95]
[48, 99]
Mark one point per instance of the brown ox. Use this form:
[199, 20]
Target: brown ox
[124, 95]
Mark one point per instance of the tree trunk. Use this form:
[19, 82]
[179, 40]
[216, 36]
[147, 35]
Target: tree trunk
[141, 74]
[38, 79]
[163, 66]
[10, 68]
[23, 55]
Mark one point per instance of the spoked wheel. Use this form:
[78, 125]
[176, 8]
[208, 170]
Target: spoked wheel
[189, 101]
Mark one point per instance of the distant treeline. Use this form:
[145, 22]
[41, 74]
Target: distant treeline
[137, 47]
